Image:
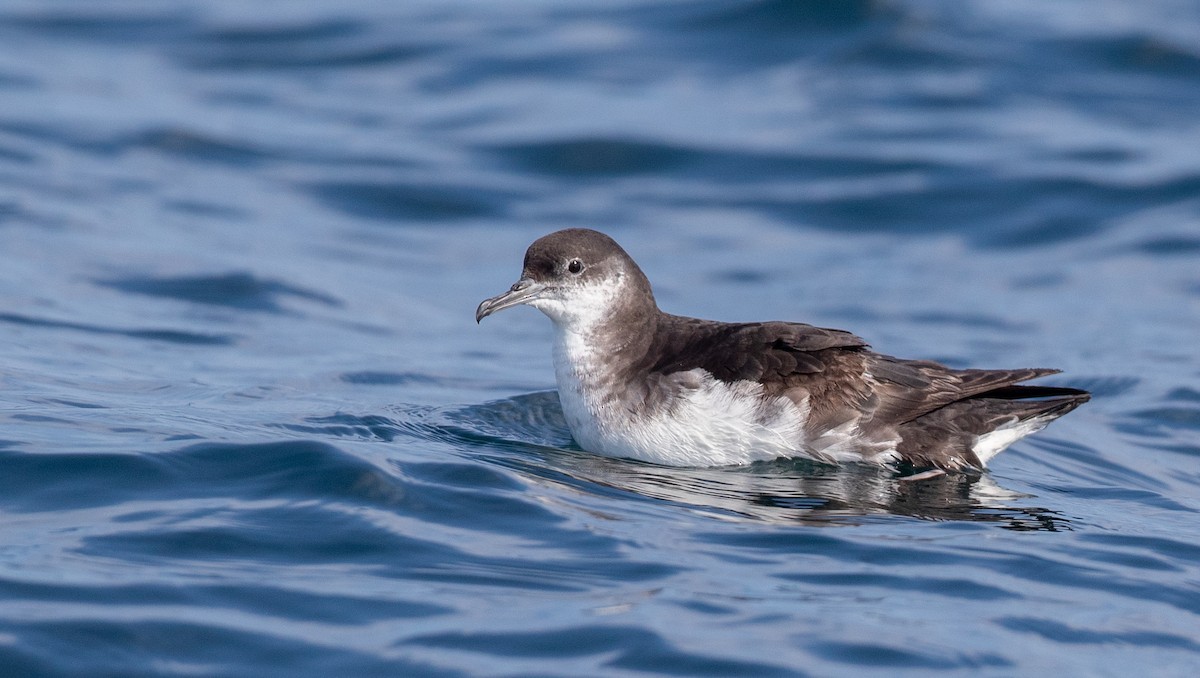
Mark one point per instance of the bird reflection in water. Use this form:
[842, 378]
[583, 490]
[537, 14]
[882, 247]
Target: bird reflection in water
[815, 494]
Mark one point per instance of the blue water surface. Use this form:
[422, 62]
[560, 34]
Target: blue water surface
[248, 426]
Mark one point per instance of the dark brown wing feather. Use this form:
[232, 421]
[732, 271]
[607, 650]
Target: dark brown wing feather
[911, 388]
[771, 353]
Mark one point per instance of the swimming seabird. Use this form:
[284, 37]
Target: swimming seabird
[638, 383]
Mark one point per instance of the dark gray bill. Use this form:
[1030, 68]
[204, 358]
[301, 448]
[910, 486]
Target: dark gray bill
[523, 291]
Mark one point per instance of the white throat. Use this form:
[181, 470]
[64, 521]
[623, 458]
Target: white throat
[584, 307]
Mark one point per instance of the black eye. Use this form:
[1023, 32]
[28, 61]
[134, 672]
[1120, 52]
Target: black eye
[575, 266]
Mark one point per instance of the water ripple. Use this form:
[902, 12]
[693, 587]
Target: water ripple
[164, 335]
[409, 202]
[629, 648]
[237, 290]
[1062, 633]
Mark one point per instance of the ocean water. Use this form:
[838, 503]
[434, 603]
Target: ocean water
[248, 426]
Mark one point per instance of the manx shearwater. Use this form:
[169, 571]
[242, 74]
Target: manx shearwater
[639, 383]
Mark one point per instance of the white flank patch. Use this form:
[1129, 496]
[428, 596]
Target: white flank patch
[992, 443]
[711, 423]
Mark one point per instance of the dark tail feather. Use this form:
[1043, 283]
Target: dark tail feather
[1020, 392]
[1054, 407]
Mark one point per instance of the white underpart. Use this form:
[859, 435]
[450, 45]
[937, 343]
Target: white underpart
[994, 442]
[710, 423]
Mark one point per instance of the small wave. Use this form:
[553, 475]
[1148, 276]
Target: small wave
[597, 157]
[323, 44]
[772, 17]
[237, 290]
[409, 202]
[292, 469]
[164, 335]
[1056, 631]
[632, 648]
